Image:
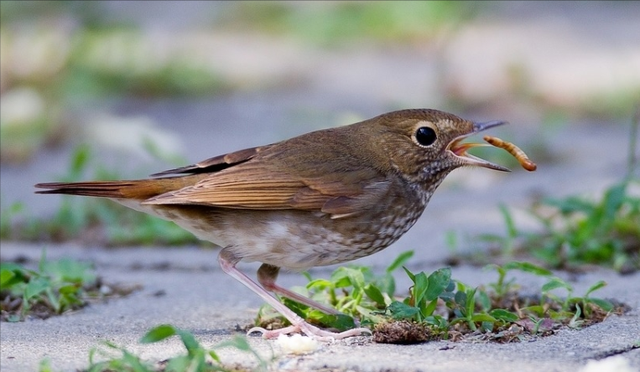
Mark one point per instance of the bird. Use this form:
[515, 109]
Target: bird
[322, 198]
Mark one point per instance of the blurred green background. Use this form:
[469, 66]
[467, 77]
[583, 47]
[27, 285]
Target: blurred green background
[548, 60]
[126, 88]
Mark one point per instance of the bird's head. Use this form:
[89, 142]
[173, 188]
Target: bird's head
[423, 144]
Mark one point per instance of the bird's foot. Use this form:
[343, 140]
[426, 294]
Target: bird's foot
[311, 331]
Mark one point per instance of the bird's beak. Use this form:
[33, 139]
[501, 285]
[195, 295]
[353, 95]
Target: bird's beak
[460, 149]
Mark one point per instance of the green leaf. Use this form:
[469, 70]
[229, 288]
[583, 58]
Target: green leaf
[603, 304]
[134, 362]
[471, 301]
[420, 287]
[347, 276]
[189, 341]
[438, 282]
[487, 326]
[45, 365]
[180, 363]
[409, 274]
[356, 277]
[401, 310]
[340, 281]
[11, 266]
[158, 333]
[595, 287]
[71, 271]
[214, 356]
[7, 278]
[70, 289]
[430, 308]
[341, 322]
[484, 300]
[319, 284]
[461, 299]
[54, 300]
[437, 321]
[399, 261]
[504, 315]
[481, 317]
[451, 286]
[36, 286]
[386, 284]
[556, 283]
[298, 308]
[539, 310]
[374, 294]
[527, 267]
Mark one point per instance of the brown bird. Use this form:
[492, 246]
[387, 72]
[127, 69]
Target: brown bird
[322, 198]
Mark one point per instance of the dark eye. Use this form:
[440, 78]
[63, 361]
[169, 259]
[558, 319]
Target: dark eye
[426, 136]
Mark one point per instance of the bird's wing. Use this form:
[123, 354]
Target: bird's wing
[217, 163]
[267, 184]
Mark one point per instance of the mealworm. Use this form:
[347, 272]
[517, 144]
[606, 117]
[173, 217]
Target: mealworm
[514, 150]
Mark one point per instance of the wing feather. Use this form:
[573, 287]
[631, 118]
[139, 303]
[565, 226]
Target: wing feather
[216, 163]
[263, 178]
[247, 187]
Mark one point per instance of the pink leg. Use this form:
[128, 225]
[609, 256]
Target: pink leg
[228, 264]
[267, 275]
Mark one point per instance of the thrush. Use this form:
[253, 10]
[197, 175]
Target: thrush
[322, 198]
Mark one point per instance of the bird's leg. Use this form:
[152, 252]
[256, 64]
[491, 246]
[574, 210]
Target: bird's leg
[228, 262]
[267, 275]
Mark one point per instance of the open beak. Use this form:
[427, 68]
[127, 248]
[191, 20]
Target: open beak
[460, 149]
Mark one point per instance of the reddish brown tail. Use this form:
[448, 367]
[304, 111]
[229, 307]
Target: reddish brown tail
[133, 189]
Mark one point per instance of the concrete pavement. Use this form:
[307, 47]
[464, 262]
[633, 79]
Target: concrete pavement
[199, 297]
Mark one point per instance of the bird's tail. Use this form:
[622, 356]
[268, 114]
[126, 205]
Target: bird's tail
[128, 189]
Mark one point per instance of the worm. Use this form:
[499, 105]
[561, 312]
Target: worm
[514, 150]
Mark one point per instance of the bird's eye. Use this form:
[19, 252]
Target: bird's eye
[425, 136]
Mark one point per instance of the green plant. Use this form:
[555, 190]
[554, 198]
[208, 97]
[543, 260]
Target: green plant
[576, 230]
[197, 359]
[579, 230]
[502, 286]
[367, 296]
[55, 287]
[569, 300]
[445, 307]
[423, 297]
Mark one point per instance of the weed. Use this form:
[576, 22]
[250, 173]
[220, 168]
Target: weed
[577, 230]
[368, 296]
[439, 307]
[197, 359]
[54, 288]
